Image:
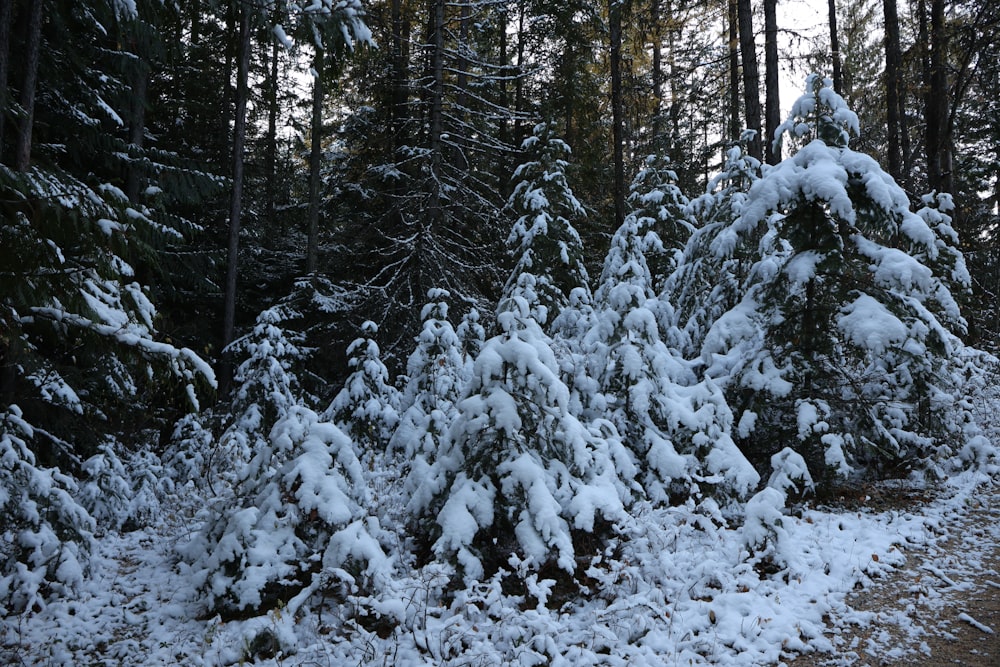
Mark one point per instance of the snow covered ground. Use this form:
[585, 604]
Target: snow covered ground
[679, 588]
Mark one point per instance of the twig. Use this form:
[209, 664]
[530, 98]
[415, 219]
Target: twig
[974, 623]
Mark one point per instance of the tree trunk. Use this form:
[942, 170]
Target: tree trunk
[271, 141]
[658, 78]
[894, 106]
[939, 176]
[772, 95]
[236, 201]
[615, 30]
[751, 77]
[734, 71]
[5, 16]
[315, 157]
[838, 77]
[435, 205]
[33, 44]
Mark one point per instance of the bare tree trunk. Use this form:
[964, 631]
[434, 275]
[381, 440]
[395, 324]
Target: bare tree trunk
[271, 141]
[315, 157]
[939, 176]
[658, 78]
[236, 201]
[22, 148]
[5, 16]
[435, 204]
[838, 77]
[734, 71]
[893, 65]
[772, 95]
[617, 108]
[751, 77]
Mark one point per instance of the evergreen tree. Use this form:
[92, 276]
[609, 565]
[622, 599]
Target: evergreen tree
[544, 241]
[367, 407]
[843, 346]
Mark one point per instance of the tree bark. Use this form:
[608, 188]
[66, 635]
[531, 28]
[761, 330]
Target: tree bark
[236, 200]
[271, 140]
[435, 205]
[939, 176]
[734, 71]
[894, 106]
[772, 95]
[315, 157]
[751, 77]
[5, 16]
[33, 44]
[838, 77]
[617, 108]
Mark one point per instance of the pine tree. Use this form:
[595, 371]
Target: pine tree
[843, 345]
[367, 407]
[544, 241]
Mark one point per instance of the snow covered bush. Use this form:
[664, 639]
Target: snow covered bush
[844, 342]
[659, 206]
[45, 534]
[436, 374]
[711, 274]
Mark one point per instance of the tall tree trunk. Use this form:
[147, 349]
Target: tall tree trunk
[772, 96]
[236, 201]
[5, 17]
[400, 80]
[658, 78]
[617, 108]
[435, 205]
[33, 44]
[894, 106]
[271, 140]
[519, 97]
[315, 157]
[939, 176]
[751, 77]
[838, 77]
[734, 71]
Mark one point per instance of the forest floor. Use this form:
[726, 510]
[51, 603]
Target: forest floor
[912, 578]
[941, 608]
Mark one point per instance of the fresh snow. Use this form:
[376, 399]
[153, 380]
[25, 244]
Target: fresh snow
[681, 589]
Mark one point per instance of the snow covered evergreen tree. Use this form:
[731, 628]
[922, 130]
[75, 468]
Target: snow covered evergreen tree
[659, 205]
[843, 346]
[710, 277]
[368, 405]
[437, 372]
[543, 241]
[520, 474]
[297, 513]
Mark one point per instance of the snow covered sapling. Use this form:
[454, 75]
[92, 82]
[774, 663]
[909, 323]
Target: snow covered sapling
[293, 526]
[544, 242]
[711, 275]
[841, 336]
[45, 534]
[662, 213]
[367, 408]
[520, 474]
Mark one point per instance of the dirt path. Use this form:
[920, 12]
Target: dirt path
[942, 608]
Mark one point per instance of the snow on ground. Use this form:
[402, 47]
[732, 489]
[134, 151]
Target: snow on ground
[681, 589]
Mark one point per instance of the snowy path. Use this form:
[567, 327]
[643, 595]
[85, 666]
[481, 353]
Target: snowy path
[941, 608]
